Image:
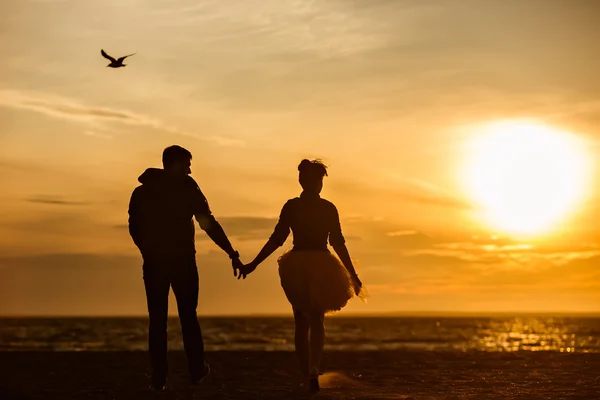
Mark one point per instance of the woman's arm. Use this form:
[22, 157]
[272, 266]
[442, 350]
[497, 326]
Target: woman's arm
[337, 241]
[264, 253]
[342, 251]
[277, 239]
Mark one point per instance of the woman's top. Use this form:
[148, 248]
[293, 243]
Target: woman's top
[313, 221]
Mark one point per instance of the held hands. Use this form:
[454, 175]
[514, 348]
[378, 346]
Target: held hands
[245, 270]
[241, 270]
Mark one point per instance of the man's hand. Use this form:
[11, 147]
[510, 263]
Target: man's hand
[237, 265]
[247, 269]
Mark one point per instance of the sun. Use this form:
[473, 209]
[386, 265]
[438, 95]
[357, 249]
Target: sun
[524, 176]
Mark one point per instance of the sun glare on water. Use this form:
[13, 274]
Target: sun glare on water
[525, 177]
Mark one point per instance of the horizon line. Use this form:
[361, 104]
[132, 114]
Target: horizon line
[347, 315]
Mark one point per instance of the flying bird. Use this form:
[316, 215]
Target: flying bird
[115, 63]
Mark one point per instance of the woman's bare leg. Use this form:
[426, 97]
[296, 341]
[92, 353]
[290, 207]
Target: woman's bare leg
[317, 339]
[301, 341]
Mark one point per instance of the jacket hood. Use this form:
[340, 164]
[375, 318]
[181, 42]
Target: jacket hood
[152, 175]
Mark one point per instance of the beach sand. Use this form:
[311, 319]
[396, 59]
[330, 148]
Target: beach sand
[272, 375]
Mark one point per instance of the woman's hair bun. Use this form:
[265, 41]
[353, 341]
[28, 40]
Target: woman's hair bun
[305, 165]
[313, 167]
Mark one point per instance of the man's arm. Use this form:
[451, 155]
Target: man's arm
[209, 224]
[134, 217]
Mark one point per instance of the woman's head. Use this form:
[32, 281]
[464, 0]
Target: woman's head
[311, 175]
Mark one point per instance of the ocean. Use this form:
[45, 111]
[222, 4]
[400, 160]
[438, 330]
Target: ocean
[492, 334]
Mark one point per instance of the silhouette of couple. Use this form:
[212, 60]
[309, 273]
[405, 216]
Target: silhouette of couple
[315, 282]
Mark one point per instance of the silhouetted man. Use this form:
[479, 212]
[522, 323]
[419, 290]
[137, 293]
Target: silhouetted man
[161, 212]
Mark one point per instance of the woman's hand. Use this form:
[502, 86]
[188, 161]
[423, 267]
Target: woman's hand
[357, 284]
[247, 269]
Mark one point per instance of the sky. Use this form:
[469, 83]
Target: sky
[390, 94]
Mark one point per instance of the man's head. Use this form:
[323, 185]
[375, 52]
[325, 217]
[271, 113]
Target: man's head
[178, 160]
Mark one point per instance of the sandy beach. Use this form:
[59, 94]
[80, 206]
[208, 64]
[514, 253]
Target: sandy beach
[272, 375]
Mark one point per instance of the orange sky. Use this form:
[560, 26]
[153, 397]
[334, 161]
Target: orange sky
[386, 92]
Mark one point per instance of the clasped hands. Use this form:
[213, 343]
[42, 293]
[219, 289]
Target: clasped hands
[241, 270]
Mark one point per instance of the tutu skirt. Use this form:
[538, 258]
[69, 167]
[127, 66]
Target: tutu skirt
[315, 281]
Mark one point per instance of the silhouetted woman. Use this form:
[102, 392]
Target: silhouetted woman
[314, 280]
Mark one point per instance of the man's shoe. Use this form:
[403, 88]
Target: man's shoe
[197, 379]
[158, 385]
[313, 381]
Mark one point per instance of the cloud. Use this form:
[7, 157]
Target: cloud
[505, 257]
[424, 192]
[402, 233]
[409, 240]
[485, 247]
[402, 261]
[65, 283]
[97, 134]
[246, 228]
[390, 235]
[71, 110]
[54, 201]
[20, 166]
[69, 260]
[402, 188]
[89, 283]
[56, 221]
[322, 29]
[445, 274]
[239, 227]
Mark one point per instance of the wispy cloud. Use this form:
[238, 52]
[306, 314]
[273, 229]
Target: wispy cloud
[504, 257]
[425, 192]
[19, 166]
[402, 233]
[97, 134]
[403, 189]
[324, 29]
[239, 227]
[486, 247]
[437, 274]
[247, 228]
[54, 201]
[69, 109]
